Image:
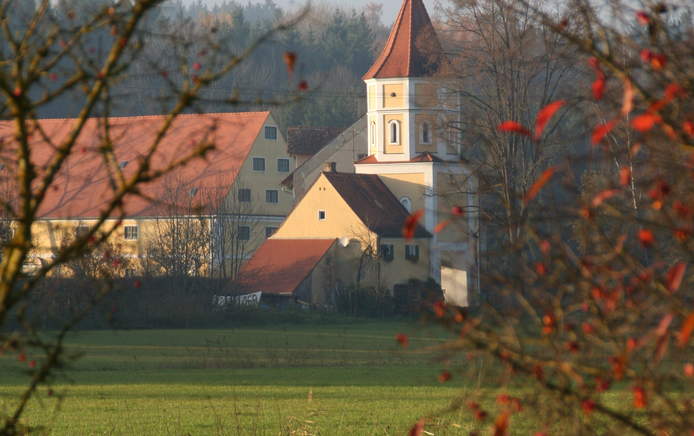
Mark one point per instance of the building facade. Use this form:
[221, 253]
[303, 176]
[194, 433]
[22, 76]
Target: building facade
[207, 216]
[413, 152]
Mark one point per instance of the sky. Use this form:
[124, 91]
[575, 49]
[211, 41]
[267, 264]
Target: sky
[390, 7]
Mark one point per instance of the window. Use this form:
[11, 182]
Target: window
[406, 203]
[123, 164]
[6, 233]
[269, 231]
[412, 252]
[271, 196]
[321, 215]
[394, 128]
[270, 132]
[245, 195]
[81, 231]
[373, 133]
[244, 233]
[131, 233]
[283, 165]
[193, 192]
[426, 133]
[386, 252]
[258, 164]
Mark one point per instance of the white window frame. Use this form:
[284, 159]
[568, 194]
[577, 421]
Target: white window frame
[270, 128]
[425, 128]
[253, 164]
[135, 232]
[289, 164]
[394, 124]
[238, 236]
[267, 196]
[386, 252]
[406, 203]
[412, 252]
[250, 195]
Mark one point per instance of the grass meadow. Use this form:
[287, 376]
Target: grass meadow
[349, 379]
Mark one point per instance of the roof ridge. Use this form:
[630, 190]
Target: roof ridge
[134, 117]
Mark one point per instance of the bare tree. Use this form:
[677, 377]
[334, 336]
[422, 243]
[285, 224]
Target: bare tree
[508, 68]
[49, 52]
[597, 327]
[230, 247]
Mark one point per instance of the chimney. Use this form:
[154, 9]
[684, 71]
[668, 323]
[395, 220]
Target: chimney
[330, 167]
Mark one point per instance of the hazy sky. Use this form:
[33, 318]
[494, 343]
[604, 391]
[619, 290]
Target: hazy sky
[390, 7]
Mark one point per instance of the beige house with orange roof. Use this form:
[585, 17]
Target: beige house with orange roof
[413, 166]
[225, 205]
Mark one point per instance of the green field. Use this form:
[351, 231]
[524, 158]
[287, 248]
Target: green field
[293, 380]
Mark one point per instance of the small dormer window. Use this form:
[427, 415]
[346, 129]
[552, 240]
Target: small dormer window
[426, 133]
[271, 133]
[394, 132]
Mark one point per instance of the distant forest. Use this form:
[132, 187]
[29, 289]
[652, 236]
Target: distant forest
[334, 49]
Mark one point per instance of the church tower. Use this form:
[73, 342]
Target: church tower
[414, 146]
[407, 99]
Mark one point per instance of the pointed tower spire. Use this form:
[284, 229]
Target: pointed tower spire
[412, 49]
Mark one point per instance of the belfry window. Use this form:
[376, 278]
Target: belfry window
[394, 130]
[426, 133]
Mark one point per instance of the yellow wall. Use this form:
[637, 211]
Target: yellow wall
[400, 269]
[49, 235]
[260, 181]
[393, 102]
[451, 191]
[372, 96]
[426, 95]
[406, 185]
[340, 220]
[393, 148]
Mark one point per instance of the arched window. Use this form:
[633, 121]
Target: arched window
[394, 129]
[426, 133]
[407, 203]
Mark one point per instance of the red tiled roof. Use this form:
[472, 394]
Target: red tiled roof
[83, 187]
[307, 141]
[423, 157]
[374, 203]
[412, 49]
[279, 266]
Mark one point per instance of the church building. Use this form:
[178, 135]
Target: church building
[349, 229]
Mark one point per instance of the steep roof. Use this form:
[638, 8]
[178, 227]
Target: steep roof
[412, 49]
[83, 186]
[279, 266]
[308, 141]
[374, 203]
[354, 138]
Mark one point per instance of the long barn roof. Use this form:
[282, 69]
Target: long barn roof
[84, 187]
